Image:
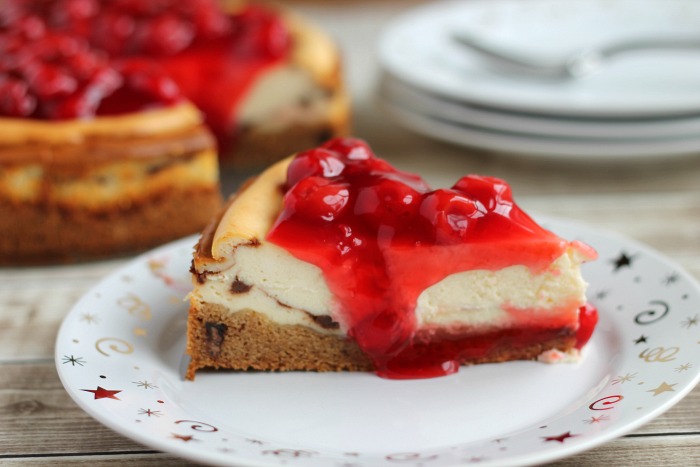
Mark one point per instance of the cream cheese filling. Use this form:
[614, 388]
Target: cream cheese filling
[290, 291]
[284, 97]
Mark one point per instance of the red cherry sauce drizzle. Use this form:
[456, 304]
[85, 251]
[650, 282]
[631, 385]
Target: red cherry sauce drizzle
[70, 59]
[381, 236]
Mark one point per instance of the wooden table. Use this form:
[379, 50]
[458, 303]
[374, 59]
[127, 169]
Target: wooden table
[656, 202]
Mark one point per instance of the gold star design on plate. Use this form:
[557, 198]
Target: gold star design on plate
[140, 332]
[89, 318]
[690, 322]
[684, 367]
[623, 379]
[144, 384]
[185, 438]
[663, 387]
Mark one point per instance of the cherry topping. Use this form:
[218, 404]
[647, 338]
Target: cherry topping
[62, 59]
[373, 230]
[588, 318]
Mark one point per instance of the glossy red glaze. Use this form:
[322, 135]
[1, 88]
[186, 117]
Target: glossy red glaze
[382, 236]
[588, 318]
[81, 58]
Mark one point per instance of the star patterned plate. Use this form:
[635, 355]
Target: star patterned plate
[120, 354]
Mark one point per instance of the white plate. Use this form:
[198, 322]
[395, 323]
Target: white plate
[538, 125]
[542, 147]
[417, 48]
[120, 355]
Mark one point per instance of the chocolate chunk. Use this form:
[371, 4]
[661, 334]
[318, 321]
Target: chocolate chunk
[201, 277]
[325, 321]
[215, 337]
[238, 286]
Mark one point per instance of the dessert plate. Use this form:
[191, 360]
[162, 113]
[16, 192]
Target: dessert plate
[418, 48]
[539, 146]
[120, 355]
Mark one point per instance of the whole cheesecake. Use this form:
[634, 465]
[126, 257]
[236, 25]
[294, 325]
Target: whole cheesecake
[114, 116]
[334, 260]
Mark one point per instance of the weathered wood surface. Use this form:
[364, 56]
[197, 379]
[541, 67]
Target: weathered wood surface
[655, 202]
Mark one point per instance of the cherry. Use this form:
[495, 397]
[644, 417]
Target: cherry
[314, 162]
[259, 32]
[167, 34]
[15, 100]
[451, 214]
[350, 148]
[84, 65]
[73, 15]
[48, 81]
[147, 78]
[208, 19]
[32, 27]
[389, 202]
[490, 191]
[112, 31]
[317, 198]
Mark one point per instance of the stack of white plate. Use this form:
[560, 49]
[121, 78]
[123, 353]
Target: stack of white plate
[640, 104]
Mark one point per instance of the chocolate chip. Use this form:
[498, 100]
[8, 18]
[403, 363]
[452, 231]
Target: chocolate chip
[215, 337]
[201, 277]
[325, 321]
[238, 286]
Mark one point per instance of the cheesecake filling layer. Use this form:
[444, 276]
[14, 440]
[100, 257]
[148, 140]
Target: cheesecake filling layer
[259, 279]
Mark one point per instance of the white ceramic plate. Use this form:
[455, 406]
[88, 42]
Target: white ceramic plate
[120, 355]
[417, 48]
[537, 125]
[542, 147]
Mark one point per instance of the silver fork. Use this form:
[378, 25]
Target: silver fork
[576, 65]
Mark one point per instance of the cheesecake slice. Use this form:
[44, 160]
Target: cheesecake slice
[334, 260]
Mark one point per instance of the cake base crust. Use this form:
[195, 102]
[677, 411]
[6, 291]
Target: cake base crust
[77, 235]
[248, 340]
